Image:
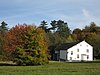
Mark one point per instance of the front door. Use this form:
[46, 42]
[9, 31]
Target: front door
[83, 57]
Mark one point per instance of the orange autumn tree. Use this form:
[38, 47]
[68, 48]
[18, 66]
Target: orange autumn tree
[27, 45]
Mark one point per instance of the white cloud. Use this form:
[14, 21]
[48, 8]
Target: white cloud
[90, 17]
[86, 13]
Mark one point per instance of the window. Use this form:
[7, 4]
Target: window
[87, 56]
[87, 50]
[77, 55]
[67, 52]
[70, 58]
[87, 45]
[71, 52]
[77, 50]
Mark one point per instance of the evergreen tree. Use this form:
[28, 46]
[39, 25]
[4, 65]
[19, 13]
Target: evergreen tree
[43, 25]
[3, 32]
[54, 25]
[27, 45]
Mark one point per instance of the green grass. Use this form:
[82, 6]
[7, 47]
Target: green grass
[53, 68]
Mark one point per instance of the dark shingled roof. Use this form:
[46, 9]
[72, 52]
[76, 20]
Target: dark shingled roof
[66, 46]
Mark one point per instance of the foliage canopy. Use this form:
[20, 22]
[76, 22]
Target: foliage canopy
[27, 45]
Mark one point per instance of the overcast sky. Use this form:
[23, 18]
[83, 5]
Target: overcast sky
[77, 13]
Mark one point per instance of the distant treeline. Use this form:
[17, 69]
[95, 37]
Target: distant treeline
[32, 45]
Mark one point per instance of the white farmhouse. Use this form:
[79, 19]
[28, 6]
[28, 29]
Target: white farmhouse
[81, 51]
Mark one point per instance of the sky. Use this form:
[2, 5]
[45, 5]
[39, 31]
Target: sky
[77, 13]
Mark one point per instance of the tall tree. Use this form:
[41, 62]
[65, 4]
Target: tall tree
[54, 25]
[60, 34]
[3, 32]
[3, 27]
[79, 34]
[92, 35]
[61, 27]
[92, 27]
[44, 26]
[27, 45]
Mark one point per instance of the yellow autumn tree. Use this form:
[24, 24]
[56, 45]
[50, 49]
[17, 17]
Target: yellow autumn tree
[30, 46]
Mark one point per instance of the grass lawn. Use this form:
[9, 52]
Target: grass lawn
[53, 68]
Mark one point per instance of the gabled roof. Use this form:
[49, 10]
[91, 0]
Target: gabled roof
[66, 46]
